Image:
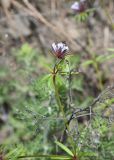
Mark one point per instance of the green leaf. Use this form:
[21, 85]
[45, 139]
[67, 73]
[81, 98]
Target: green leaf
[62, 146]
[87, 154]
[56, 157]
[110, 56]
[46, 77]
[110, 49]
[88, 62]
[101, 58]
[14, 153]
[90, 10]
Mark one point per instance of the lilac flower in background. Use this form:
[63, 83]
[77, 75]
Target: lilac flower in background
[79, 6]
[60, 49]
[75, 6]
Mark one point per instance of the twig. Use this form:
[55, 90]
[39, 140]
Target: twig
[73, 115]
[31, 10]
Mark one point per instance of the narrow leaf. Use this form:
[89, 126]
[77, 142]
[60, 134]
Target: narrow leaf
[62, 146]
[88, 62]
[56, 157]
[110, 49]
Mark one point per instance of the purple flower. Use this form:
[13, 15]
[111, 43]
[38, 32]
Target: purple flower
[79, 6]
[59, 49]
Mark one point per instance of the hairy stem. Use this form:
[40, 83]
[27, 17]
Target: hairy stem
[57, 96]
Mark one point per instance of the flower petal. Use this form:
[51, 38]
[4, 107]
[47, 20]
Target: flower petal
[75, 6]
[60, 45]
[65, 48]
[54, 46]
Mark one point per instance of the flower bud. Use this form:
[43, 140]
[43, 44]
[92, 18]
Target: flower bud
[60, 49]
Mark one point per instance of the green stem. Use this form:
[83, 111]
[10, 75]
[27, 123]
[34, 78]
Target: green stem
[59, 103]
[57, 96]
[61, 107]
[99, 77]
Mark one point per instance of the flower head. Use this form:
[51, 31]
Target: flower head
[59, 49]
[79, 6]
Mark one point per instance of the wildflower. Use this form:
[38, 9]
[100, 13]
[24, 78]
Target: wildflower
[79, 6]
[60, 49]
